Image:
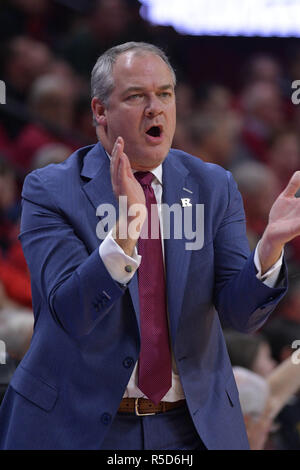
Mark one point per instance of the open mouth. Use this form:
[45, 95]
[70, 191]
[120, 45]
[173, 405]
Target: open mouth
[154, 131]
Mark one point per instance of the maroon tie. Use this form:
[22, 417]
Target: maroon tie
[155, 356]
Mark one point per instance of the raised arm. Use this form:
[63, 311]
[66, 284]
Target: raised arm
[283, 225]
[284, 382]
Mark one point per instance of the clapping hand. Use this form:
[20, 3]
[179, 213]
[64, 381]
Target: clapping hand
[125, 184]
[283, 225]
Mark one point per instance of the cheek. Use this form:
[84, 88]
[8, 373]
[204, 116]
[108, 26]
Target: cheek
[118, 126]
[129, 123]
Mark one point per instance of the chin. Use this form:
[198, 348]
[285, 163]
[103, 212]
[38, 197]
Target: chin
[158, 155]
[149, 160]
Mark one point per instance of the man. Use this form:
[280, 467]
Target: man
[94, 359]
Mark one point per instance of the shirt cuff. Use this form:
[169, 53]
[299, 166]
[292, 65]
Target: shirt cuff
[120, 266]
[269, 278]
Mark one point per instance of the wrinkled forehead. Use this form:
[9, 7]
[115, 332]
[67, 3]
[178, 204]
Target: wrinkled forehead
[141, 65]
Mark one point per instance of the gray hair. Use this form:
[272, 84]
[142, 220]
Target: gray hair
[102, 82]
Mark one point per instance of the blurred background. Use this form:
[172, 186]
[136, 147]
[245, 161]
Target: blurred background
[235, 63]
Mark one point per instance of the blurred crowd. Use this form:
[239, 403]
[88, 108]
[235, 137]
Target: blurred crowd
[47, 51]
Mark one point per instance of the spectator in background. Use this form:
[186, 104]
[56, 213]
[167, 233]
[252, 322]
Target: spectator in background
[15, 277]
[283, 155]
[61, 69]
[24, 61]
[262, 107]
[185, 100]
[265, 68]
[7, 367]
[259, 186]
[83, 123]
[254, 392]
[268, 391]
[212, 138]
[16, 325]
[181, 139]
[282, 334]
[10, 208]
[14, 273]
[290, 308]
[16, 318]
[250, 352]
[51, 99]
[213, 99]
[50, 153]
[262, 68]
[263, 398]
[185, 104]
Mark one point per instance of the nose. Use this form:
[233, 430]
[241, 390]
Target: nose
[153, 107]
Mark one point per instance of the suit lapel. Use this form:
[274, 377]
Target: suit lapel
[177, 186]
[96, 170]
[98, 189]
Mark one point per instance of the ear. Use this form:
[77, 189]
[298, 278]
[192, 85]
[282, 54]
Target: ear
[99, 112]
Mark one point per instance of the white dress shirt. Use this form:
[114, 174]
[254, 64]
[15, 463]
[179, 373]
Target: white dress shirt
[115, 261]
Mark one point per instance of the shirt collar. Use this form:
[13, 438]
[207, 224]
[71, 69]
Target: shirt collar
[157, 172]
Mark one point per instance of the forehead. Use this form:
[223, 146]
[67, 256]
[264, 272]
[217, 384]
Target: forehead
[141, 69]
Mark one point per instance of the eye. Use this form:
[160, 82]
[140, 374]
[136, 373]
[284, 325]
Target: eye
[135, 97]
[165, 94]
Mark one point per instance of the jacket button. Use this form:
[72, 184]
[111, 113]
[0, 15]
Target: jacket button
[128, 362]
[106, 418]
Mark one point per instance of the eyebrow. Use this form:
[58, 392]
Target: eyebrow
[140, 88]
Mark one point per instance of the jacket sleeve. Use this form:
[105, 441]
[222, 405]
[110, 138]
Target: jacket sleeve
[242, 301]
[74, 283]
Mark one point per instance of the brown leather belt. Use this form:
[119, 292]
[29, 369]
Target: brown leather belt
[144, 407]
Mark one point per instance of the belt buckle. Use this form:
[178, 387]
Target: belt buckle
[136, 409]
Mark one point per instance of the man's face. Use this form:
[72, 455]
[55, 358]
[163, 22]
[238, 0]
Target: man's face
[141, 109]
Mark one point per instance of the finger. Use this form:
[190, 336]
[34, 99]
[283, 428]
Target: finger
[116, 151]
[120, 145]
[127, 166]
[115, 160]
[123, 161]
[124, 169]
[121, 174]
[293, 185]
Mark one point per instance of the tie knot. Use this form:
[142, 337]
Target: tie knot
[144, 177]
